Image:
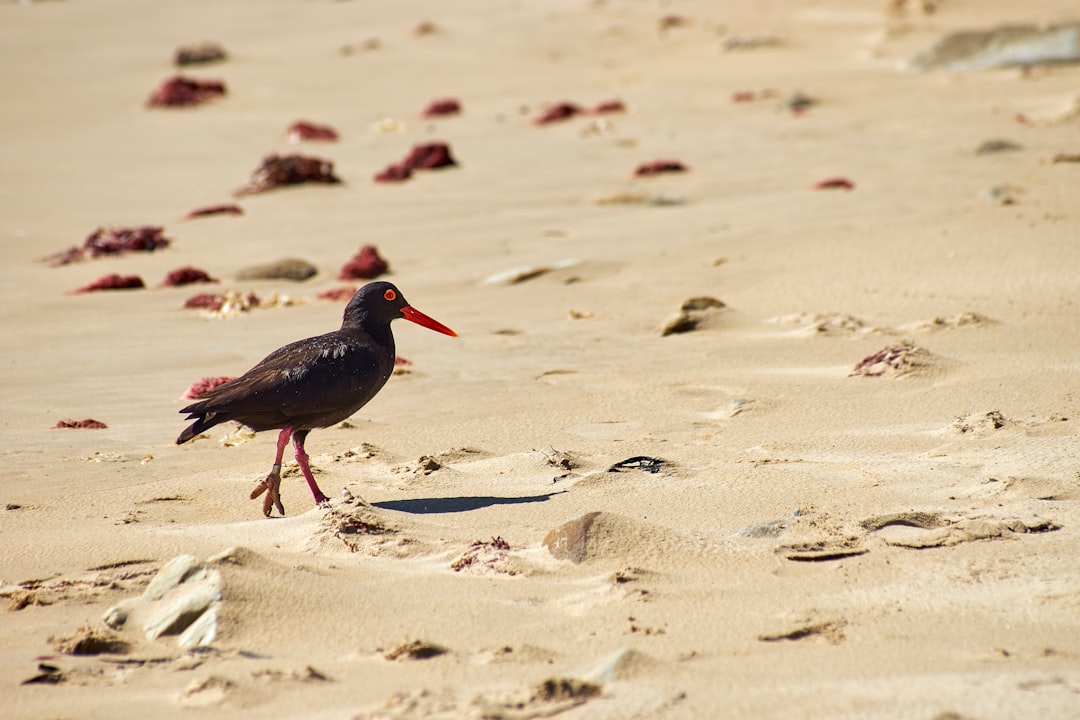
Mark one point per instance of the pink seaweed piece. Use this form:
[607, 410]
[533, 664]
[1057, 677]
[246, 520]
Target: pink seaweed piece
[113, 281]
[365, 265]
[225, 209]
[442, 108]
[204, 385]
[659, 167]
[180, 91]
[187, 275]
[302, 130]
[834, 183]
[559, 112]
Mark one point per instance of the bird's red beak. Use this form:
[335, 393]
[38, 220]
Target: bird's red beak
[412, 314]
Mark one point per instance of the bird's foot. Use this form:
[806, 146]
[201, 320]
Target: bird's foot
[321, 500]
[272, 487]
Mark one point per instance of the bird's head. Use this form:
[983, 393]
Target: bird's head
[377, 303]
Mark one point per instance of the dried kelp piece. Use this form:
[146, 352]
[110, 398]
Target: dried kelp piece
[111, 242]
[225, 209]
[365, 265]
[200, 54]
[445, 107]
[280, 170]
[834, 183]
[87, 424]
[559, 112]
[639, 462]
[113, 282]
[204, 385]
[187, 275]
[180, 91]
[659, 167]
[303, 130]
[416, 650]
[897, 359]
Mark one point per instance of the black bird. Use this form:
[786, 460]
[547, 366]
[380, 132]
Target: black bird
[312, 383]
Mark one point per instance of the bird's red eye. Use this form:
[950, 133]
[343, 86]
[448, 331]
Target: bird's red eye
[390, 295]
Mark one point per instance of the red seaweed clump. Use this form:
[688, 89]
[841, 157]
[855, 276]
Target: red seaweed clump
[187, 275]
[112, 241]
[609, 106]
[280, 170]
[559, 112]
[365, 265]
[338, 294]
[425, 156]
[204, 301]
[835, 183]
[87, 424]
[302, 130]
[228, 209]
[204, 385]
[429, 156]
[180, 91]
[113, 282]
[659, 167]
[442, 108]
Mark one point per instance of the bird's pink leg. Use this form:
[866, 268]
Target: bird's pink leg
[272, 484]
[302, 458]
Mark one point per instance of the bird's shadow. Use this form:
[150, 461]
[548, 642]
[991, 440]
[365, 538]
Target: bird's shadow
[429, 506]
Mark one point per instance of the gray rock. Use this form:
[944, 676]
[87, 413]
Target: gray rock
[285, 269]
[1005, 46]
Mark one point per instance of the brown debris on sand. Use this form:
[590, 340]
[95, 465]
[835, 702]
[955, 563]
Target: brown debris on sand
[199, 54]
[559, 112]
[281, 170]
[425, 156]
[415, 650]
[113, 281]
[109, 242]
[834, 183]
[366, 264]
[87, 424]
[180, 91]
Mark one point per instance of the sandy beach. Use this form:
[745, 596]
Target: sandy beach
[764, 404]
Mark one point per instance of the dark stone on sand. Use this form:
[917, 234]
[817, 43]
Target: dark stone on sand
[570, 541]
[201, 54]
[284, 269]
[997, 145]
[180, 91]
[281, 170]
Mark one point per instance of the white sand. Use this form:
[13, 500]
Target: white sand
[847, 611]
